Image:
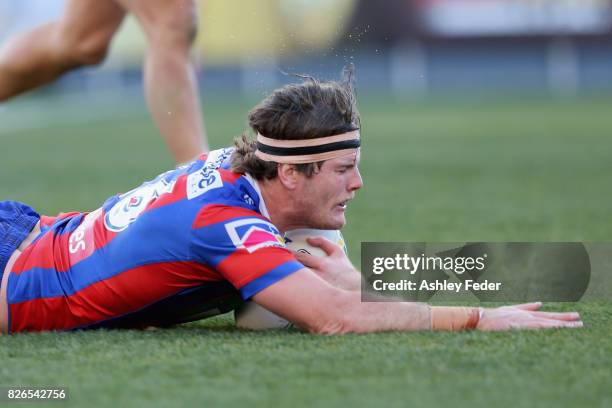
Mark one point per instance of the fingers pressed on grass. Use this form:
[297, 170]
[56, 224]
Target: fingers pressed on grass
[566, 316]
[529, 306]
[551, 324]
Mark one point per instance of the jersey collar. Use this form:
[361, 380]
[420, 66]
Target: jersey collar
[262, 205]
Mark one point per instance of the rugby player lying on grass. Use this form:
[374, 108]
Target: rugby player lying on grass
[201, 239]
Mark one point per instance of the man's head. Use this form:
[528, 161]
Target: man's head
[308, 110]
[315, 191]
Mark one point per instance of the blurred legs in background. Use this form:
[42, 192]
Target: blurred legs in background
[170, 82]
[82, 37]
[39, 56]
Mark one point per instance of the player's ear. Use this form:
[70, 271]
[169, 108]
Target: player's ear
[288, 175]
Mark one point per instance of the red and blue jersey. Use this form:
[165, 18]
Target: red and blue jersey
[193, 225]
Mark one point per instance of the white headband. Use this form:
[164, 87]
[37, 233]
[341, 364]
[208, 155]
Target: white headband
[307, 150]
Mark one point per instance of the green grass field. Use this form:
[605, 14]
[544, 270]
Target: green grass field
[518, 170]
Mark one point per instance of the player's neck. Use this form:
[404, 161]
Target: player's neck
[278, 203]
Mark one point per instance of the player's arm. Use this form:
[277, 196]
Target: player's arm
[318, 307]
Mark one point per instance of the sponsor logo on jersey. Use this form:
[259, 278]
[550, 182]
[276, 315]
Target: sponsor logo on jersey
[203, 181]
[252, 234]
[208, 178]
[131, 204]
[215, 159]
[247, 199]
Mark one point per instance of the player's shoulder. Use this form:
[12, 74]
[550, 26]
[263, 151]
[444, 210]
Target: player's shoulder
[211, 171]
[211, 181]
[236, 228]
[215, 159]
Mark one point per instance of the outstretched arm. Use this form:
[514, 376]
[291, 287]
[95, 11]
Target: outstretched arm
[313, 304]
[318, 307]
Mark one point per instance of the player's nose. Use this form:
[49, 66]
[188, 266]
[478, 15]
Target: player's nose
[356, 182]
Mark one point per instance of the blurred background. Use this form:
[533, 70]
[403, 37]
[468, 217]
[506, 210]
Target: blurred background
[482, 119]
[406, 48]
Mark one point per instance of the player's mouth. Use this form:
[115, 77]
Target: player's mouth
[342, 205]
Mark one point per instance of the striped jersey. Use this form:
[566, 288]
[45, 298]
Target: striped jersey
[194, 225]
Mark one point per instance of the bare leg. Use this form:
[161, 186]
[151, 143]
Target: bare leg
[170, 83]
[39, 56]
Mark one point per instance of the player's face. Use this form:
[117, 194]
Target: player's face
[326, 194]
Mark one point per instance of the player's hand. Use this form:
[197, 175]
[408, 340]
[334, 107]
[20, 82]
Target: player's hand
[335, 267]
[526, 316]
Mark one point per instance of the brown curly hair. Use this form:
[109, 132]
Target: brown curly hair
[306, 110]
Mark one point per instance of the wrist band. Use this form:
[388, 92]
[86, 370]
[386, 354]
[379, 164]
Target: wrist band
[454, 318]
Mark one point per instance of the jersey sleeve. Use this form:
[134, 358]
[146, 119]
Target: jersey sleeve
[244, 247]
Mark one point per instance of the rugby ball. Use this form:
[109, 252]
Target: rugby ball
[250, 315]
[296, 240]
